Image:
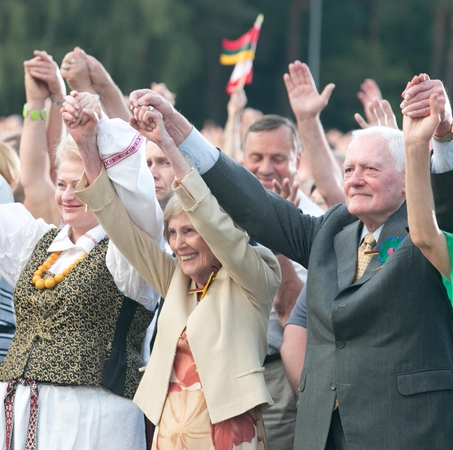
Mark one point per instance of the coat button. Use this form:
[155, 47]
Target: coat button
[333, 386]
[339, 344]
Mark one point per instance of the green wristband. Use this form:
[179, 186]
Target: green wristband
[34, 114]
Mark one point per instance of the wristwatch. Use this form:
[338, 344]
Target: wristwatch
[34, 114]
[447, 138]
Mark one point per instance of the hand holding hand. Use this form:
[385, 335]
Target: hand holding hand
[175, 123]
[420, 130]
[42, 77]
[303, 96]
[162, 89]
[74, 69]
[81, 113]
[416, 101]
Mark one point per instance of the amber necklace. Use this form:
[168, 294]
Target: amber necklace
[51, 282]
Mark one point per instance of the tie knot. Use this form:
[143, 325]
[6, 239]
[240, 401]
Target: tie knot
[369, 241]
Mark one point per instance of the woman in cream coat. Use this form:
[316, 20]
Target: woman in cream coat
[204, 386]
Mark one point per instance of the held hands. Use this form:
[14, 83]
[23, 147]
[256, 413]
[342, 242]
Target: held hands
[304, 98]
[74, 69]
[416, 103]
[81, 113]
[418, 131]
[42, 78]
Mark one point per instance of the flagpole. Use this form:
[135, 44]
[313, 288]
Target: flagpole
[314, 42]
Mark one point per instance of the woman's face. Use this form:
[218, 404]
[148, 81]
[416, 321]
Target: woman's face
[72, 210]
[194, 256]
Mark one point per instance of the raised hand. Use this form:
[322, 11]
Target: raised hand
[286, 191]
[81, 113]
[43, 78]
[420, 130]
[175, 123]
[303, 96]
[416, 101]
[74, 69]
[378, 112]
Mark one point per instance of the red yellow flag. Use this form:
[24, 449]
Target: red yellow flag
[241, 52]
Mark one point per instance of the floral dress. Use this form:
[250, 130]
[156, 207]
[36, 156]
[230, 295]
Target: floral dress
[185, 422]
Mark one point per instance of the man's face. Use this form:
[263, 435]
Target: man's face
[270, 155]
[373, 188]
[162, 173]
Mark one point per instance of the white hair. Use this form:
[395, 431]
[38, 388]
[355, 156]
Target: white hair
[394, 137]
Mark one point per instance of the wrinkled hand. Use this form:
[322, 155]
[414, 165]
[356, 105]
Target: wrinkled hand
[42, 77]
[162, 89]
[81, 113]
[177, 126]
[74, 70]
[286, 191]
[303, 96]
[378, 112]
[420, 130]
[416, 102]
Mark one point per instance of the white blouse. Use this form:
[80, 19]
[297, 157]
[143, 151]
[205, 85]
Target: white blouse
[75, 417]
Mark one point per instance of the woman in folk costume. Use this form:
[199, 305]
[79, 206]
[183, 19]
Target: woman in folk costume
[203, 387]
[72, 369]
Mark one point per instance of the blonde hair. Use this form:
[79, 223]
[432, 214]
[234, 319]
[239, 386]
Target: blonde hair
[67, 150]
[9, 165]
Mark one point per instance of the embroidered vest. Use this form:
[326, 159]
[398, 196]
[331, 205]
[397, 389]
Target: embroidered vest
[82, 332]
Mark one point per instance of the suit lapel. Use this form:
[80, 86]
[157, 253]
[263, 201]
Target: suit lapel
[345, 244]
[396, 226]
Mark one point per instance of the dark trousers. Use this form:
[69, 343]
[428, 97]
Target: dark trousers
[336, 439]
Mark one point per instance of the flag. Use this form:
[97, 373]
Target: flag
[241, 52]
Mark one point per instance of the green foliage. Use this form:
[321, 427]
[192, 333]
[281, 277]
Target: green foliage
[179, 42]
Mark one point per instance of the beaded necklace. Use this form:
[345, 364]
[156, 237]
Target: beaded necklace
[51, 282]
[201, 292]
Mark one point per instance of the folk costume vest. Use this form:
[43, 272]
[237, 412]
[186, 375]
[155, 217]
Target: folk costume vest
[82, 332]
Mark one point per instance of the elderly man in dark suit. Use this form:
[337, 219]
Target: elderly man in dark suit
[378, 372]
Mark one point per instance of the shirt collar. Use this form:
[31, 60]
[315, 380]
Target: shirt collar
[376, 233]
[86, 242]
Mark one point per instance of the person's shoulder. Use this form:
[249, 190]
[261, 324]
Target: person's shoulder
[308, 206]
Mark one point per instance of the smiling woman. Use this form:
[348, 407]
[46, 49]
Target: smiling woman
[203, 387]
[82, 313]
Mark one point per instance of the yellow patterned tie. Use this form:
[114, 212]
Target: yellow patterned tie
[364, 259]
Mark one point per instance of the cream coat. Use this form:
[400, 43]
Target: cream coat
[227, 330]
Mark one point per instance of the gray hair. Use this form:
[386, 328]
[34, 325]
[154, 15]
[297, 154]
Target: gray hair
[394, 137]
[173, 208]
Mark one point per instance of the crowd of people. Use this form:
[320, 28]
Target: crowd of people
[262, 285]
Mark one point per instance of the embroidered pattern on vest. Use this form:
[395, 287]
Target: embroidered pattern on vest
[65, 335]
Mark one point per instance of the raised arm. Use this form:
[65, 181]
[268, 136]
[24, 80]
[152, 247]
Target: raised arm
[84, 72]
[307, 105]
[416, 104]
[36, 150]
[423, 226]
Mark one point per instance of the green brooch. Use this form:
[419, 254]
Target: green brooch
[388, 247]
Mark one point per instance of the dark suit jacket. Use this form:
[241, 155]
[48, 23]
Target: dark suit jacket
[383, 346]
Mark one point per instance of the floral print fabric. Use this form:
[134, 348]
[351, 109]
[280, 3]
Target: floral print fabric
[185, 422]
